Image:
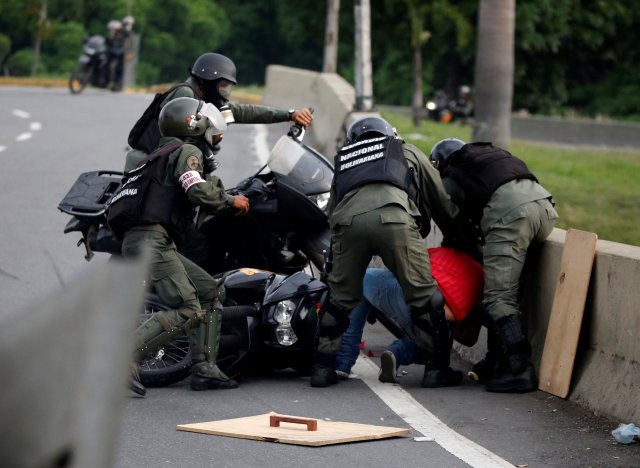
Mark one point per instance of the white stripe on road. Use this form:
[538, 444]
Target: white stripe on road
[35, 126]
[2, 148]
[20, 113]
[23, 136]
[423, 421]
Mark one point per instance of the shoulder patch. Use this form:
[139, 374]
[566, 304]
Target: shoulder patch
[193, 162]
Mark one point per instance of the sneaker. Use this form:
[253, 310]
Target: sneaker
[342, 375]
[388, 369]
[323, 376]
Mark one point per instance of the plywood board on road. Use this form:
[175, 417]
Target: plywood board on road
[567, 311]
[309, 431]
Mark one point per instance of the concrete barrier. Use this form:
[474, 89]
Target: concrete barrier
[328, 93]
[606, 377]
[576, 131]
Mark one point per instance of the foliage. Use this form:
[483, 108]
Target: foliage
[578, 55]
[20, 62]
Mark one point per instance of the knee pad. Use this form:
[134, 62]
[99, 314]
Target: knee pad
[334, 320]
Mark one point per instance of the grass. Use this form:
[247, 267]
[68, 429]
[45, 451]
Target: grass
[595, 190]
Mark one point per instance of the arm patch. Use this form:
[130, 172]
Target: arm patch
[189, 179]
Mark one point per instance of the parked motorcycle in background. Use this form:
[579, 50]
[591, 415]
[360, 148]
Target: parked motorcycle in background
[93, 66]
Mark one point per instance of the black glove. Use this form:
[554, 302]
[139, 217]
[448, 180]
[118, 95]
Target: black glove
[210, 164]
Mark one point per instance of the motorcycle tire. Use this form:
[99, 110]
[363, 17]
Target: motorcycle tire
[79, 79]
[172, 362]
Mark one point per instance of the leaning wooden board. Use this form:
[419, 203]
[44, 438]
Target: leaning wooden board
[567, 311]
[304, 431]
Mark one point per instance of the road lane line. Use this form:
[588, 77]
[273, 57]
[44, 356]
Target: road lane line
[2, 148]
[34, 126]
[20, 113]
[423, 421]
[23, 136]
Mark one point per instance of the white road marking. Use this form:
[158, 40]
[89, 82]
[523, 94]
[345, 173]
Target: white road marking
[20, 113]
[23, 136]
[35, 126]
[2, 148]
[260, 141]
[423, 421]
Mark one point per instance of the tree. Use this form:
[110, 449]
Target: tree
[494, 71]
[330, 64]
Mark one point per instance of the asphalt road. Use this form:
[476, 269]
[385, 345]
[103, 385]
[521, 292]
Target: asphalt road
[48, 137]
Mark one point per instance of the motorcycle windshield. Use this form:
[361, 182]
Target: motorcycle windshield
[304, 170]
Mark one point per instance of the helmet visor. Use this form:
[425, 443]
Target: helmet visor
[216, 123]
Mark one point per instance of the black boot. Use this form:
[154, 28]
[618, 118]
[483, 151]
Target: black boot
[134, 380]
[323, 373]
[209, 377]
[519, 376]
[437, 376]
[494, 362]
[430, 321]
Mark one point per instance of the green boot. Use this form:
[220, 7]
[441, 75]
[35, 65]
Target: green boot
[205, 341]
[158, 330]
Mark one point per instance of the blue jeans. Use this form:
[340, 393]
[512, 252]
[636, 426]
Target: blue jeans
[382, 291]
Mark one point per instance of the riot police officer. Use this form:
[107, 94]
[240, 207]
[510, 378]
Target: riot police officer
[151, 210]
[499, 193]
[383, 197]
[212, 78]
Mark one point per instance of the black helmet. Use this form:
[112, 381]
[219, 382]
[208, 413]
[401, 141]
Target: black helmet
[443, 149]
[369, 127]
[187, 117]
[212, 66]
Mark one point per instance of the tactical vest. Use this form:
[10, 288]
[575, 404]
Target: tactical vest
[479, 169]
[376, 160]
[144, 199]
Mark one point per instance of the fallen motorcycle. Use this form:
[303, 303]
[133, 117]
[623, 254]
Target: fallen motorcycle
[269, 318]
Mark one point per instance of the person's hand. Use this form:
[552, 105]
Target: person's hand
[241, 204]
[302, 117]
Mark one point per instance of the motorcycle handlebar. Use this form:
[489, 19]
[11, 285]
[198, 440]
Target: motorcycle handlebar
[297, 130]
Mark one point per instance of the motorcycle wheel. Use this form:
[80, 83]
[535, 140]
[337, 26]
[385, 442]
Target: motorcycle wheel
[172, 362]
[79, 79]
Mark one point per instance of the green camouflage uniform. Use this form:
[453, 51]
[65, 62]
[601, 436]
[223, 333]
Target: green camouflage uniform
[518, 213]
[242, 113]
[179, 283]
[380, 219]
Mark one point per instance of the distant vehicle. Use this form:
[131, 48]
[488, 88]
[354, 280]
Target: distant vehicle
[93, 66]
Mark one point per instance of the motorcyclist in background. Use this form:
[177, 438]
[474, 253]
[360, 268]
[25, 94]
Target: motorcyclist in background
[119, 31]
[462, 106]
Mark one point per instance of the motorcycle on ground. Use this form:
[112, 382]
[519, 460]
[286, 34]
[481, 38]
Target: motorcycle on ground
[93, 66]
[270, 313]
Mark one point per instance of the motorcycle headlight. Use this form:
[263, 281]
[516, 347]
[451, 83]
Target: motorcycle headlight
[431, 105]
[285, 335]
[283, 312]
[321, 200]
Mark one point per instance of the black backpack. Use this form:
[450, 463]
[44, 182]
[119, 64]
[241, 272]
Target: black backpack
[145, 134]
